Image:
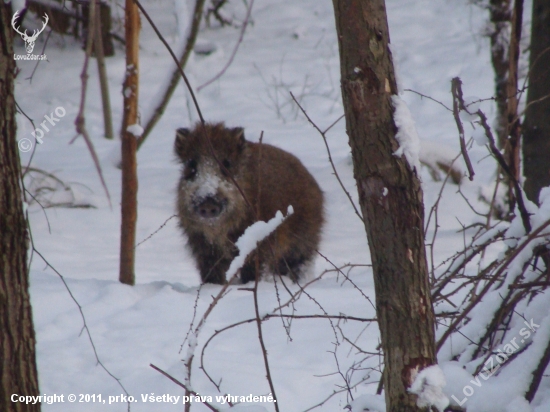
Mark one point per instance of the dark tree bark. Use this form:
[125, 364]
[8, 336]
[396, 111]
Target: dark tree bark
[390, 196]
[18, 374]
[500, 16]
[129, 147]
[512, 144]
[536, 126]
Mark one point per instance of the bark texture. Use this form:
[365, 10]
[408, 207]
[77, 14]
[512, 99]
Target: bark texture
[512, 144]
[536, 126]
[129, 147]
[390, 196]
[500, 17]
[18, 374]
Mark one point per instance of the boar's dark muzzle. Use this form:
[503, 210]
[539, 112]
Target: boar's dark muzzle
[209, 207]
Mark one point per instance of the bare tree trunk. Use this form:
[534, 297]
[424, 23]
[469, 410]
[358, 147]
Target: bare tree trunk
[129, 147]
[390, 196]
[500, 16]
[536, 127]
[102, 71]
[18, 374]
[512, 145]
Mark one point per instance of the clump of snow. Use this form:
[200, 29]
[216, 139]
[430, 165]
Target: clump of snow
[409, 143]
[480, 137]
[135, 129]
[428, 386]
[396, 67]
[472, 103]
[252, 236]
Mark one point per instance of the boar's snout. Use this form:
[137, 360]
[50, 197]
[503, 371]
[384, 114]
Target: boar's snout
[209, 208]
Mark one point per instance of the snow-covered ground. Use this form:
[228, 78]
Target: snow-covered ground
[289, 46]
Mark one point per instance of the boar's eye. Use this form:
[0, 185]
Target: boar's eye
[190, 169]
[227, 165]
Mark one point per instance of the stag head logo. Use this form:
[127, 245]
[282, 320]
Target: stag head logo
[29, 40]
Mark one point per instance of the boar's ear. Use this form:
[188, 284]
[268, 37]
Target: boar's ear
[238, 133]
[182, 133]
[181, 137]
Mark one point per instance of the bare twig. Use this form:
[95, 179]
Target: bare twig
[187, 390]
[174, 80]
[538, 374]
[80, 121]
[266, 318]
[156, 231]
[502, 162]
[496, 275]
[458, 105]
[215, 10]
[434, 212]
[180, 70]
[260, 335]
[323, 135]
[191, 355]
[24, 172]
[430, 98]
[234, 53]
[42, 52]
[84, 323]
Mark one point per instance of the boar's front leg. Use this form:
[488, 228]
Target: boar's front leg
[210, 258]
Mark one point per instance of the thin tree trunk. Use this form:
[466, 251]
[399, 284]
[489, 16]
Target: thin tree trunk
[129, 147]
[18, 373]
[512, 145]
[500, 16]
[102, 71]
[390, 196]
[536, 127]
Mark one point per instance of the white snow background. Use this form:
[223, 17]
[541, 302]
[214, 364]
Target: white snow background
[289, 46]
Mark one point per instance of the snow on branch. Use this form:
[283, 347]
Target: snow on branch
[253, 235]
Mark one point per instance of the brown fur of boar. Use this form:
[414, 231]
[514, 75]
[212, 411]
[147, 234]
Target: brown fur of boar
[213, 213]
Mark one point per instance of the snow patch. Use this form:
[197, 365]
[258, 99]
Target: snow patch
[371, 403]
[409, 143]
[396, 67]
[428, 386]
[480, 137]
[208, 184]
